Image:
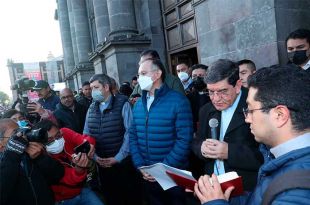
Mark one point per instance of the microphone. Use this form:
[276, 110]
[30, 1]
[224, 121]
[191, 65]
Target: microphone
[213, 123]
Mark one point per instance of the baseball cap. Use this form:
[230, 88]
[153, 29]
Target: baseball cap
[40, 84]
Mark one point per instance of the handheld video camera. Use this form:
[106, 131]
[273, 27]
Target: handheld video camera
[35, 135]
[22, 86]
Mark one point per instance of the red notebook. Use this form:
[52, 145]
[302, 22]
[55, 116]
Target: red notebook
[226, 180]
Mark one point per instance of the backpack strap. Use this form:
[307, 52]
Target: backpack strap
[296, 179]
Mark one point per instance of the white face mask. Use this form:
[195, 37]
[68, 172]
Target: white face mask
[97, 95]
[145, 82]
[56, 147]
[183, 76]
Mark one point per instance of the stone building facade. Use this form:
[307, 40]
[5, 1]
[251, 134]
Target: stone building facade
[107, 36]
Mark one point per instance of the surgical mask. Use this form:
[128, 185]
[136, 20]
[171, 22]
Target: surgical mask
[56, 147]
[145, 82]
[183, 76]
[199, 84]
[22, 123]
[97, 96]
[298, 57]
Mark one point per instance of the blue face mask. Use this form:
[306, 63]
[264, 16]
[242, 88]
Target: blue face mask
[97, 96]
[22, 123]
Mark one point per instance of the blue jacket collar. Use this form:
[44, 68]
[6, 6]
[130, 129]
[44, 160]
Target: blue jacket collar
[158, 93]
[272, 165]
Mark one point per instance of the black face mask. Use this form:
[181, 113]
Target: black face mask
[199, 84]
[298, 57]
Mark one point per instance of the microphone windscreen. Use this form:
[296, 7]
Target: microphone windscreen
[213, 122]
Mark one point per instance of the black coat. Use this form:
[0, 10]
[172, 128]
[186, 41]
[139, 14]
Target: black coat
[32, 187]
[73, 120]
[244, 156]
[197, 101]
[82, 100]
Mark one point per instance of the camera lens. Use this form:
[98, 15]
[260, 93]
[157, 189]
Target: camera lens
[37, 135]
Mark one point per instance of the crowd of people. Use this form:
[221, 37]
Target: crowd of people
[88, 148]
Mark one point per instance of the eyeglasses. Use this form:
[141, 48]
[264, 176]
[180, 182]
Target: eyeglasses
[66, 97]
[52, 139]
[2, 138]
[220, 93]
[247, 111]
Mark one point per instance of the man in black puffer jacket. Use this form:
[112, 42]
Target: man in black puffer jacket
[69, 113]
[26, 171]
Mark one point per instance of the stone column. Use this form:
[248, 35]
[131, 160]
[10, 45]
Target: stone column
[101, 19]
[122, 17]
[72, 30]
[64, 23]
[82, 35]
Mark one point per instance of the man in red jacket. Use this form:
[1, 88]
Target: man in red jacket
[61, 144]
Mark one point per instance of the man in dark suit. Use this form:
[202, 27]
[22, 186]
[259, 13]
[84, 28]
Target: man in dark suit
[234, 148]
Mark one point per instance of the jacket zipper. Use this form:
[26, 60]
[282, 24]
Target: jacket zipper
[146, 135]
[31, 184]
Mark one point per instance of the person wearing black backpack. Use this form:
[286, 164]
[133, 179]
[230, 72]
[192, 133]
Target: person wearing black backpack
[279, 116]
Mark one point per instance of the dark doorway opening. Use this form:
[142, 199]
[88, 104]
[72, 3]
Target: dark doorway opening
[188, 56]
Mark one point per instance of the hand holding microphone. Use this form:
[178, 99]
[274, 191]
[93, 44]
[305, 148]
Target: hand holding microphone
[213, 123]
[213, 148]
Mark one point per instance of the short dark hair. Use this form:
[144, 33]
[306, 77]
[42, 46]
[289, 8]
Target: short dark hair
[222, 69]
[103, 79]
[150, 52]
[183, 62]
[284, 85]
[197, 66]
[114, 84]
[251, 64]
[158, 65]
[45, 124]
[10, 113]
[125, 89]
[300, 33]
[134, 78]
[85, 83]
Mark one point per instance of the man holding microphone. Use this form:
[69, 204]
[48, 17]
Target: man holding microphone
[224, 140]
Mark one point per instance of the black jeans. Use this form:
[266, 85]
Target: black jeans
[157, 196]
[121, 184]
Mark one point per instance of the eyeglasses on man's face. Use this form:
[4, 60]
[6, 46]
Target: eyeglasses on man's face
[66, 97]
[247, 111]
[219, 93]
[2, 138]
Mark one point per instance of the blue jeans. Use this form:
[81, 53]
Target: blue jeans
[86, 197]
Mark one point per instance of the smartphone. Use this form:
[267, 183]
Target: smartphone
[83, 148]
[31, 110]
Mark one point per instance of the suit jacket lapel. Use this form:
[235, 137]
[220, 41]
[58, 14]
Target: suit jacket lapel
[238, 117]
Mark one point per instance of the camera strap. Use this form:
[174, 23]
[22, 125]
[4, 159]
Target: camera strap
[25, 165]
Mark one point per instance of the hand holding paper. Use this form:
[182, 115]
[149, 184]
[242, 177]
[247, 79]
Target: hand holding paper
[169, 177]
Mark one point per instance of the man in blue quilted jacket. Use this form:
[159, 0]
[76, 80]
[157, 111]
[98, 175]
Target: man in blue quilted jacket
[161, 131]
[278, 112]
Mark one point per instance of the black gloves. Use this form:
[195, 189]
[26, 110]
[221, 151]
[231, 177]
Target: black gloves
[17, 144]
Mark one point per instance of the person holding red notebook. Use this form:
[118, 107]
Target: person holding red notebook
[278, 113]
